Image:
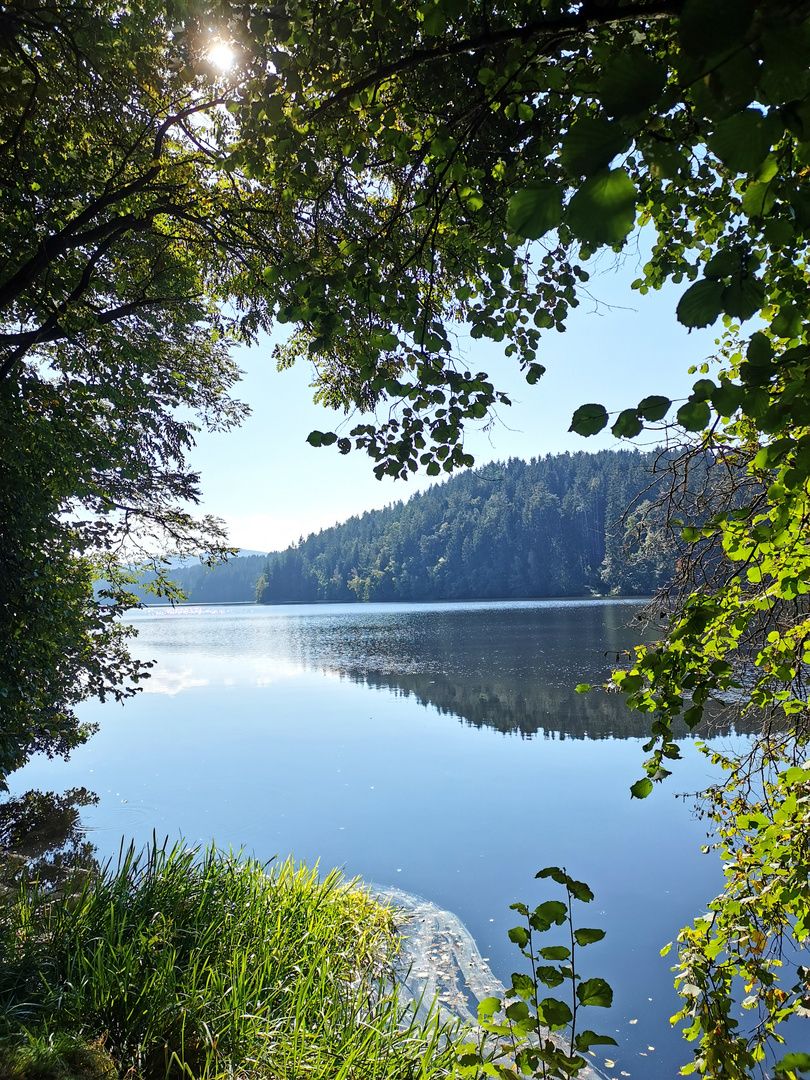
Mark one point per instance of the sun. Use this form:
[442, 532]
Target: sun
[221, 55]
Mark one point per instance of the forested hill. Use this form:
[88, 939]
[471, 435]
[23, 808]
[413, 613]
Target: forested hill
[547, 527]
[233, 581]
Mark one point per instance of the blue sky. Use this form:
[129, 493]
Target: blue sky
[271, 487]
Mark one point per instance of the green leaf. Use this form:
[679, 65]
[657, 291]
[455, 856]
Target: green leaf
[703, 390]
[548, 975]
[727, 398]
[489, 1007]
[553, 872]
[555, 952]
[667, 161]
[743, 297]
[604, 208]
[580, 891]
[694, 415]
[727, 87]
[520, 936]
[551, 913]
[784, 75]
[555, 1013]
[778, 232]
[773, 454]
[654, 407]
[435, 23]
[693, 716]
[628, 424]
[708, 27]
[587, 936]
[788, 323]
[758, 199]
[632, 83]
[535, 210]
[595, 992]
[589, 419]
[582, 688]
[795, 1062]
[591, 144]
[641, 789]
[315, 438]
[590, 1038]
[522, 985]
[744, 140]
[518, 1010]
[759, 351]
[725, 262]
[701, 303]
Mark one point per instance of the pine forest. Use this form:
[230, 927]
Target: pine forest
[553, 526]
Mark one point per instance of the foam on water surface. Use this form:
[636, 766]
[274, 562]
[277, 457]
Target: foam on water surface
[439, 967]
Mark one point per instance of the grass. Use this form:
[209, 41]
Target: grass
[173, 965]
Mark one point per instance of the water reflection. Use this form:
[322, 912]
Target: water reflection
[41, 837]
[510, 666]
[313, 730]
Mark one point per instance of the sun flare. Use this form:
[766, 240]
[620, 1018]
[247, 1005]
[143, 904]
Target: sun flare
[221, 55]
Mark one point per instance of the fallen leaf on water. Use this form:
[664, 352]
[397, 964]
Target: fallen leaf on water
[610, 1064]
[634, 1021]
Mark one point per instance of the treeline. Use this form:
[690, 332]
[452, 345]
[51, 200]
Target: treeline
[229, 582]
[551, 526]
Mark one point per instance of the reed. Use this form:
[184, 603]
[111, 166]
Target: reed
[176, 965]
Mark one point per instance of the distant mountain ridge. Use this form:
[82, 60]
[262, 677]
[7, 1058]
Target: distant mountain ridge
[231, 582]
[545, 527]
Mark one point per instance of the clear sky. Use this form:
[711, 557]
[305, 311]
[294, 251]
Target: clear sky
[272, 487]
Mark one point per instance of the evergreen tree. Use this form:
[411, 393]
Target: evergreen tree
[549, 527]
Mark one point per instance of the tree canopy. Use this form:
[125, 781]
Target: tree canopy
[119, 244]
[385, 177]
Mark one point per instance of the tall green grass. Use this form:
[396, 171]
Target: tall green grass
[176, 965]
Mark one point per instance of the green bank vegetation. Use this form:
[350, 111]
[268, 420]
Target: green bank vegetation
[181, 966]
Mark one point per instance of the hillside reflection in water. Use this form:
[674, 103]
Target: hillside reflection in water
[319, 731]
[511, 666]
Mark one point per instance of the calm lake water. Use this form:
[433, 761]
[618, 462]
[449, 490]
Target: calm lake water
[438, 748]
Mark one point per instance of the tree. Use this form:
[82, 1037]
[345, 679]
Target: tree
[119, 244]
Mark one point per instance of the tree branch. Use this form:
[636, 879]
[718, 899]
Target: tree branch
[70, 236]
[555, 29]
[53, 330]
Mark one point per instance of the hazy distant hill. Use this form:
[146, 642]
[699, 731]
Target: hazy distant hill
[228, 582]
[545, 527]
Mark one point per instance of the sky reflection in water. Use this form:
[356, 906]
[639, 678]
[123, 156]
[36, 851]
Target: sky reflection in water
[437, 748]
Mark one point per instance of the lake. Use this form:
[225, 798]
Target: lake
[437, 748]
